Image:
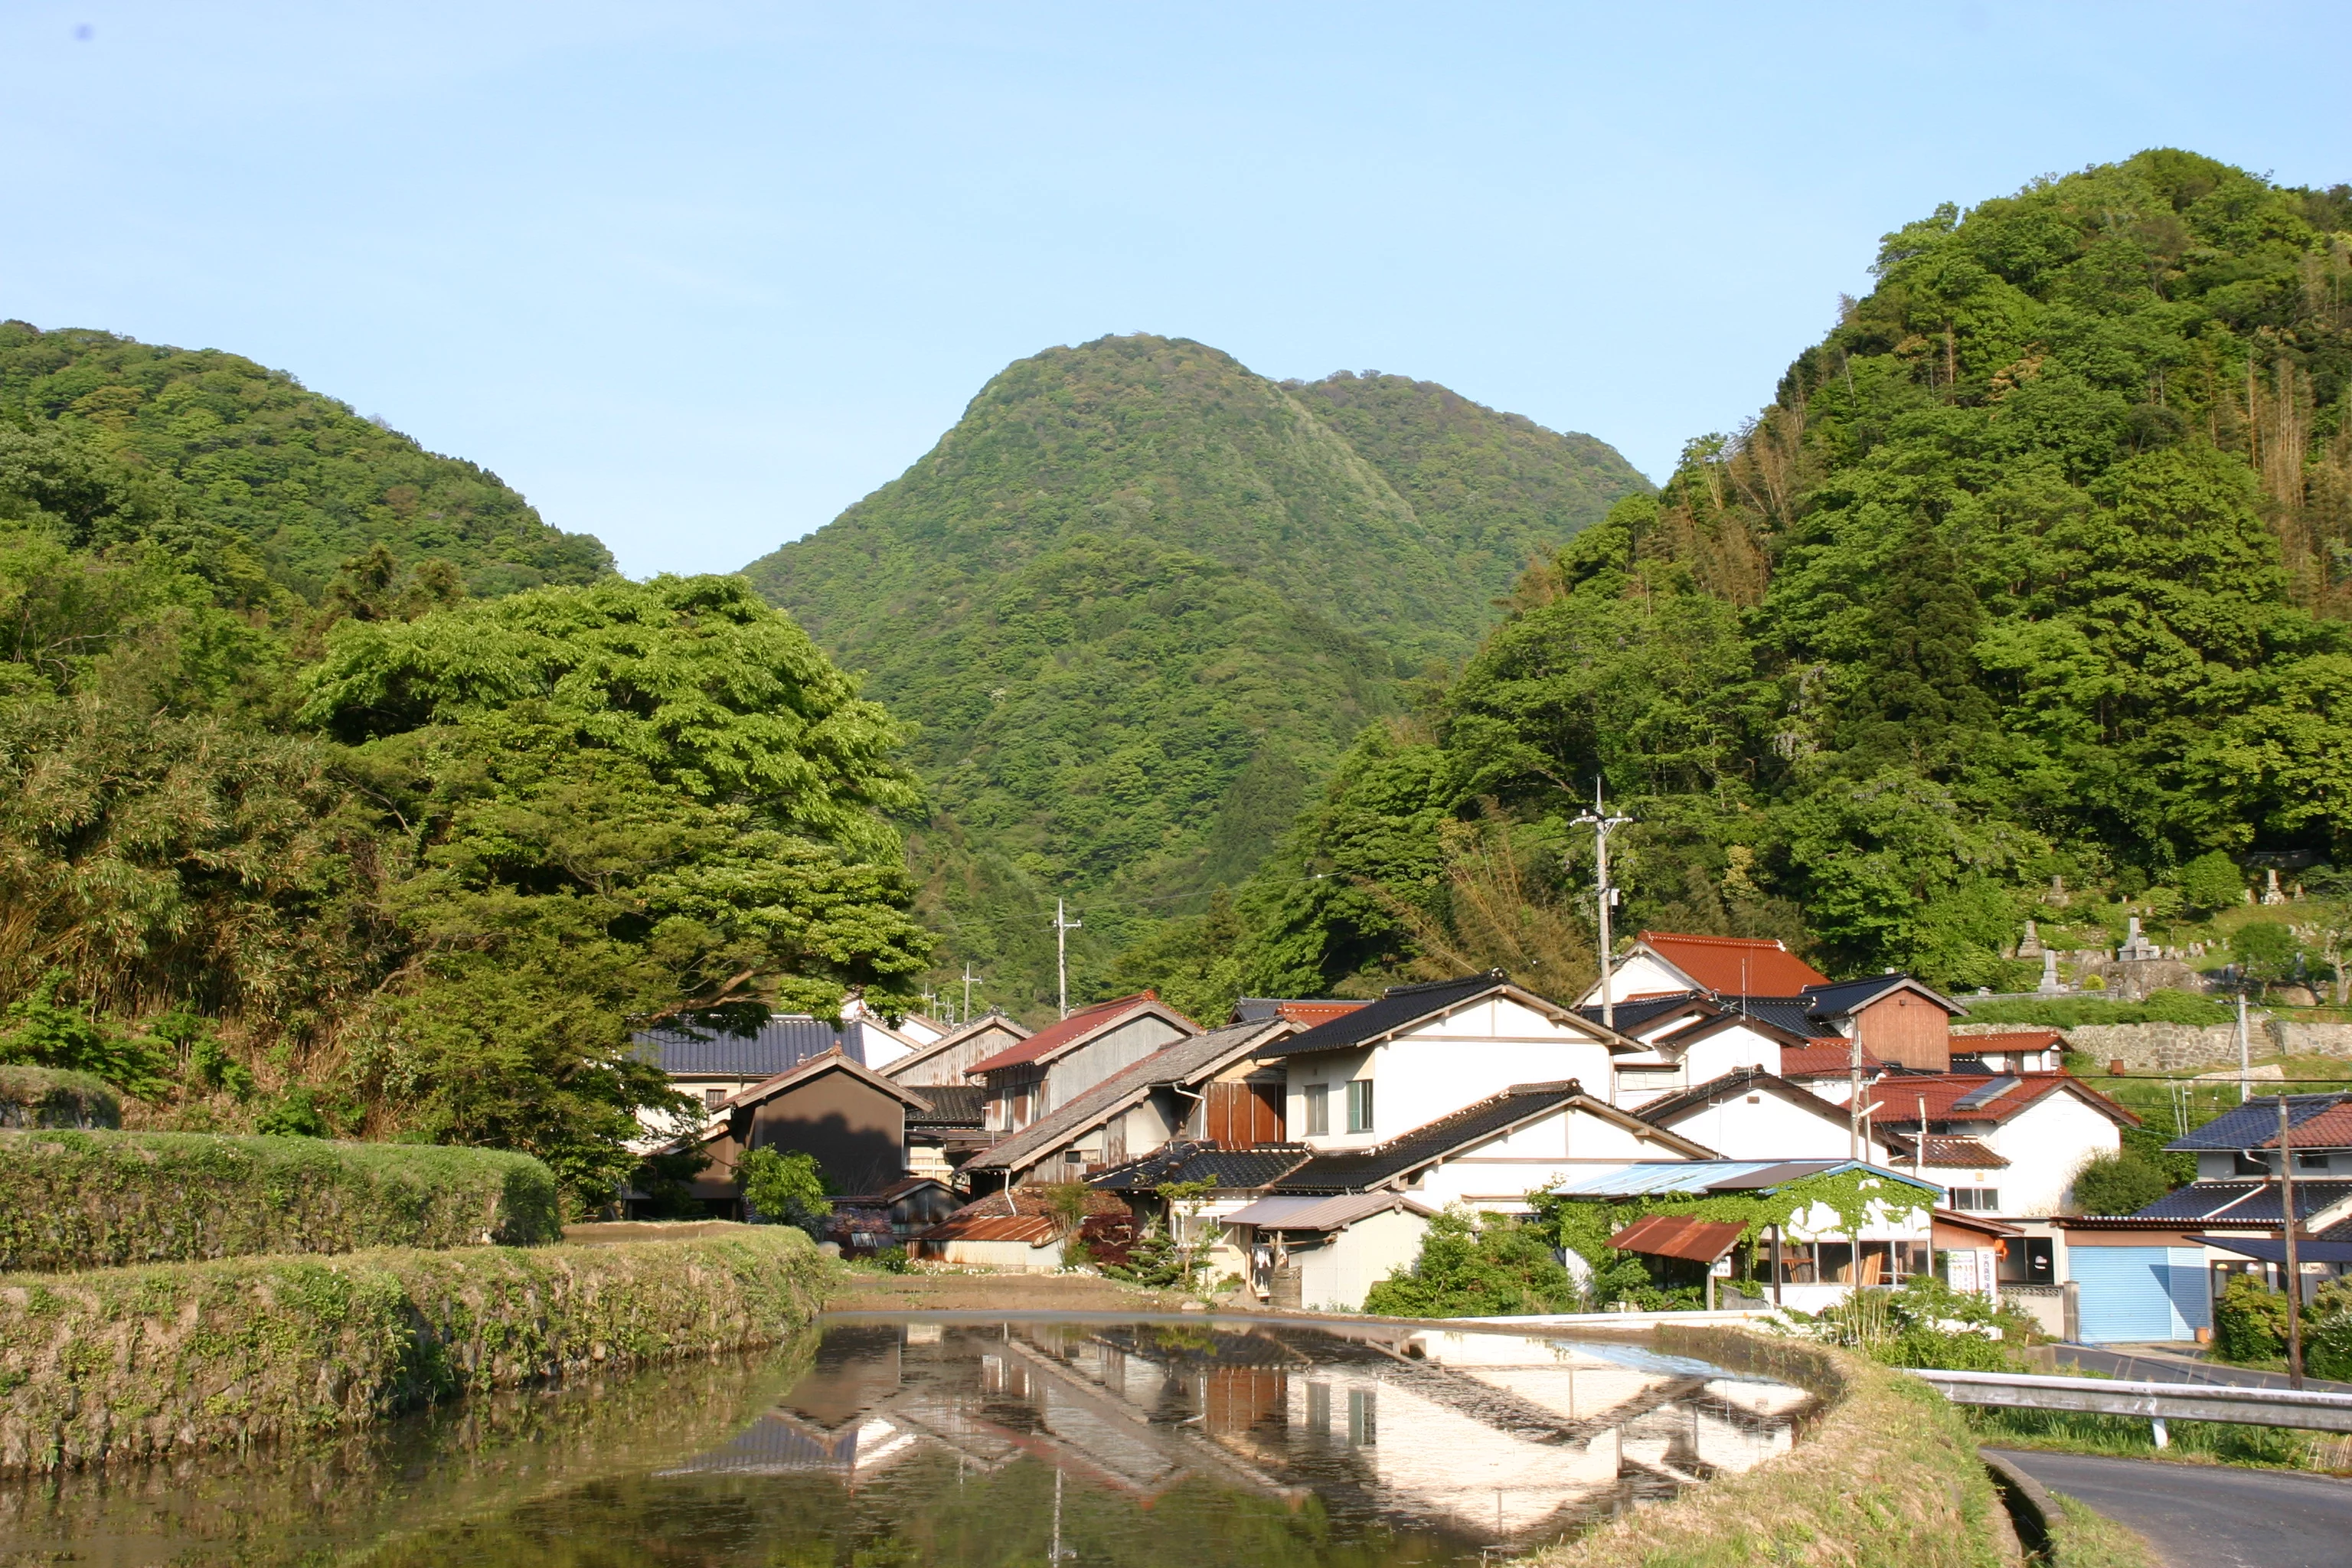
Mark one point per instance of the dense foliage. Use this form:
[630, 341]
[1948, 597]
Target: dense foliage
[1138, 603]
[244, 468]
[2024, 597]
[1477, 1265]
[399, 862]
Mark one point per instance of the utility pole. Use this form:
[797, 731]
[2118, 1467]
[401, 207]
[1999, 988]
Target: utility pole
[2245, 1071]
[2294, 1265]
[1063, 927]
[969, 977]
[1603, 825]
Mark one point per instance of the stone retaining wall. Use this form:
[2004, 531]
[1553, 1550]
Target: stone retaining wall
[2167, 1048]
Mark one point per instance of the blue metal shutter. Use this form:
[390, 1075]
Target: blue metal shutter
[2137, 1293]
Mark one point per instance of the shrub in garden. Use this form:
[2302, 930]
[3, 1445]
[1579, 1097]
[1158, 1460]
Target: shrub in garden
[1477, 1266]
[2118, 1183]
[2249, 1321]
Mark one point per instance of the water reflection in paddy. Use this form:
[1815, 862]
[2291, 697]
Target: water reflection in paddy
[1114, 1442]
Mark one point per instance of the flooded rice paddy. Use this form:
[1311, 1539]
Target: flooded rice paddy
[1140, 1444]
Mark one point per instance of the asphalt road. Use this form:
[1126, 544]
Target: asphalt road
[2208, 1516]
[2126, 1362]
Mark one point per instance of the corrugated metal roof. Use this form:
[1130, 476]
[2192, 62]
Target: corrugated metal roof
[1678, 1235]
[783, 1043]
[1320, 1214]
[1034, 1229]
[1950, 1152]
[1304, 1011]
[1696, 1176]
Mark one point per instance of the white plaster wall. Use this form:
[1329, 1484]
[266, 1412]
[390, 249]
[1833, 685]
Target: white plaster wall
[1444, 1065]
[2045, 1144]
[1340, 1273]
[1768, 1128]
[1495, 1176]
[1637, 974]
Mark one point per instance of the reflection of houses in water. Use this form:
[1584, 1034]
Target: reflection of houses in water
[1488, 1434]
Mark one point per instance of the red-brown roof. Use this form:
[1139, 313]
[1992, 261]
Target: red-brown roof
[1035, 1229]
[1825, 1058]
[1066, 1031]
[1952, 1152]
[1735, 965]
[1989, 1098]
[2331, 1129]
[1677, 1236]
[2008, 1042]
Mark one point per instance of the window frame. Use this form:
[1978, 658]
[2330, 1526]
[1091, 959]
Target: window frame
[1359, 1105]
[1319, 1110]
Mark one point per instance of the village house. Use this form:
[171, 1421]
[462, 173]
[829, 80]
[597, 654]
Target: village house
[887, 1042]
[2154, 1273]
[1052, 1067]
[712, 1065]
[950, 1057]
[1374, 1073]
[850, 1120]
[1206, 1087]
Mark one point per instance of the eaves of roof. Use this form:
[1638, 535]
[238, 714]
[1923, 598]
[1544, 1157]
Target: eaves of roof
[1360, 1170]
[1179, 1063]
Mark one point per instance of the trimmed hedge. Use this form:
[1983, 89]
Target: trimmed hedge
[138, 1364]
[54, 1097]
[96, 1200]
[1886, 1474]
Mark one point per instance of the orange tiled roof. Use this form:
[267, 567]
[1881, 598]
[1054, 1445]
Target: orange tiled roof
[1825, 1058]
[1734, 966]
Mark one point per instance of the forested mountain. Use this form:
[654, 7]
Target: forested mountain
[126, 440]
[2037, 566]
[308, 844]
[1139, 600]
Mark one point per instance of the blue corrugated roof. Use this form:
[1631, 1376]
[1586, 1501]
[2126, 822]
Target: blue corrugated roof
[1696, 1176]
[782, 1044]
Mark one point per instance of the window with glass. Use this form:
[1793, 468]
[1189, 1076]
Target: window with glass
[1318, 1109]
[1976, 1200]
[1359, 1105]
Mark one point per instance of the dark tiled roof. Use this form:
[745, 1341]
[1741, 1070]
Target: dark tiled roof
[1358, 1169]
[1398, 1006]
[1739, 1080]
[2255, 1125]
[781, 1045]
[1304, 1011]
[1636, 1011]
[1238, 1170]
[1178, 1063]
[2249, 1202]
[952, 1105]
[1792, 1013]
[2256, 1122]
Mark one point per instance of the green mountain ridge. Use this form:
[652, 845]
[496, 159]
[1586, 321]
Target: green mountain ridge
[210, 448]
[1139, 600]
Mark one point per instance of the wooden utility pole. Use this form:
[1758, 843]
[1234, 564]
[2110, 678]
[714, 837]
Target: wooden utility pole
[1603, 825]
[2294, 1265]
[1063, 927]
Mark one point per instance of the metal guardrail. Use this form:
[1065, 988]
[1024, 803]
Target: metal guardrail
[2157, 1402]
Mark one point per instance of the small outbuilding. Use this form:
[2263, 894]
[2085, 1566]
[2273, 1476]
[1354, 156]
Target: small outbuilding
[1325, 1254]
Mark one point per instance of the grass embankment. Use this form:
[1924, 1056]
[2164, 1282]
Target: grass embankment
[140, 1363]
[71, 1199]
[1887, 1474]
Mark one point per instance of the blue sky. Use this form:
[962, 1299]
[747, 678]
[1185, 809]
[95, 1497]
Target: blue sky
[694, 277]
